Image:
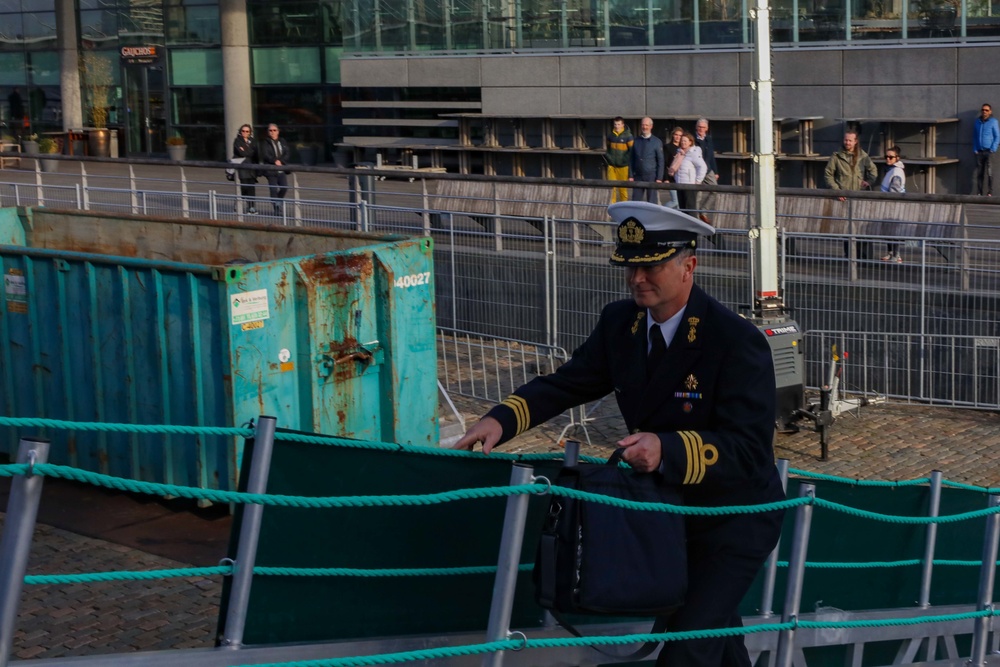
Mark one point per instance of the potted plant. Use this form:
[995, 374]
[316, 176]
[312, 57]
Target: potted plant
[307, 152]
[48, 146]
[30, 144]
[98, 77]
[176, 148]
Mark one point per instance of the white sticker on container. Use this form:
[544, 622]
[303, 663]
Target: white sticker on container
[15, 287]
[284, 355]
[249, 306]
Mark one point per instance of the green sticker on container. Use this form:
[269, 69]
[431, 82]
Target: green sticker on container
[249, 306]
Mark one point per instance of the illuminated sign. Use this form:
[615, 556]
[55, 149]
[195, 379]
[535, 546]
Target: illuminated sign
[139, 54]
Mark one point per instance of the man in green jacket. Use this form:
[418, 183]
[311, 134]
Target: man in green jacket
[618, 157]
[851, 168]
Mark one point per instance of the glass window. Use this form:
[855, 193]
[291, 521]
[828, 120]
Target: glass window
[193, 25]
[100, 26]
[11, 32]
[286, 65]
[287, 23]
[197, 106]
[12, 70]
[44, 68]
[332, 65]
[140, 23]
[191, 67]
[291, 106]
[39, 30]
[9, 6]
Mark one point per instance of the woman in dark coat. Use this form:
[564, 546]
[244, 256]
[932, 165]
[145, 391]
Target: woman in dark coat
[245, 146]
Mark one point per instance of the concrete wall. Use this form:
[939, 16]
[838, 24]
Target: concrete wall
[887, 81]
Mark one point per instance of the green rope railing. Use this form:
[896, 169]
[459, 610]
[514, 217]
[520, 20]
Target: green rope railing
[171, 429]
[324, 440]
[263, 571]
[272, 571]
[620, 640]
[536, 488]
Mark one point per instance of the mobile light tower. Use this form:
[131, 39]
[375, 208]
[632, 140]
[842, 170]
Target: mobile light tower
[769, 311]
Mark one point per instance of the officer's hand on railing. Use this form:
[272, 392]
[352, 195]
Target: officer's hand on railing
[488, 431]
[642, 451]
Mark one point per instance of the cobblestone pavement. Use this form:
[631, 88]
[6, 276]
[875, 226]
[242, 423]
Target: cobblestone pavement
[886, 441]
[111, 617]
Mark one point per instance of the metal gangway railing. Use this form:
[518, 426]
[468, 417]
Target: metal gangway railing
[922, 631]
[542, 280]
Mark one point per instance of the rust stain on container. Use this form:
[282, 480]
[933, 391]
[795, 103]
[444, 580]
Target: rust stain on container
[281, 290]
[338, 269]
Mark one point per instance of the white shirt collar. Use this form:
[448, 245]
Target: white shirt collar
[668, 328]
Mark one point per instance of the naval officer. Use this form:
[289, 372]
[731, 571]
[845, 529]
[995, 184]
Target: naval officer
[695, 386]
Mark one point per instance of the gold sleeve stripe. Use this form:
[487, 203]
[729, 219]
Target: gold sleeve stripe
[697, 464]
[699, 456]
[692, 456]
[520, 409]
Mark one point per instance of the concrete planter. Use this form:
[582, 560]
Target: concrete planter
[99, 143]
[49, 166]
[29, 147]
[177, 153]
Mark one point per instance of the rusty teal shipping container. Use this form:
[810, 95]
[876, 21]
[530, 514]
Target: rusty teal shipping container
[132, 320]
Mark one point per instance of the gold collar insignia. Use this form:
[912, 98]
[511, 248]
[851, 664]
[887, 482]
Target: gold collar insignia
[638, 318]
[691, 383]
[693, 332]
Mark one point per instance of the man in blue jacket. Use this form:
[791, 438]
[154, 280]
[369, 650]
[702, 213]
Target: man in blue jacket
[647, 162]
[695, 385]
[984, 145]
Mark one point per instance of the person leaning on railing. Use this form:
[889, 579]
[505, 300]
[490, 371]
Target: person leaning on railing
[245, 150]
[851, 169]
[893, 181]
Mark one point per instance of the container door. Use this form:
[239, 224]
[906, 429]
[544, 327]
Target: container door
[336, 344]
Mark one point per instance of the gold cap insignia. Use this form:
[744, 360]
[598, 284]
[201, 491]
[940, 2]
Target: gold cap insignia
[691, 382]
[638, 318]
[631, 231]
[692, 332]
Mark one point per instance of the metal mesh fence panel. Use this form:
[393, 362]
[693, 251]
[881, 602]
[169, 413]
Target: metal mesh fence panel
[954, 371]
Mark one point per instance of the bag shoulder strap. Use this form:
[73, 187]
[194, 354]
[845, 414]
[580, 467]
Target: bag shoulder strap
[659, 625]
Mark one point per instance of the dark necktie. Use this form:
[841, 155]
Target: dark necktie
[658, 348]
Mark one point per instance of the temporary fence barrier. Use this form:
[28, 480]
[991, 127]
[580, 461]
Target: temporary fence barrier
[545, 279]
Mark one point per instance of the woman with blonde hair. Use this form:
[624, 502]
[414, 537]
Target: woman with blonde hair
[688, 167]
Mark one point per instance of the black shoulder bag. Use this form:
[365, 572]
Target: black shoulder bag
[595, 558]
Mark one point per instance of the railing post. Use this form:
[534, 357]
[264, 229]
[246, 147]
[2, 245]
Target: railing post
[796, 575]
[185, 205]
[930, 541]
[987, 572]
[84, 185]
[15, 544]
[246, 550]
[295, 196]
[771, 566]
[507, 564]
[131, 187]
[213, 205]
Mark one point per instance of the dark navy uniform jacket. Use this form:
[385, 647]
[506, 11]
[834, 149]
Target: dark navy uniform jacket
[711, 401]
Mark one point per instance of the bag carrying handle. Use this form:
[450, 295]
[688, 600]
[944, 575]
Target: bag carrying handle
[616, 456]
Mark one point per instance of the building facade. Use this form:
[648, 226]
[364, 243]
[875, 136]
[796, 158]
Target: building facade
[475, 84]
